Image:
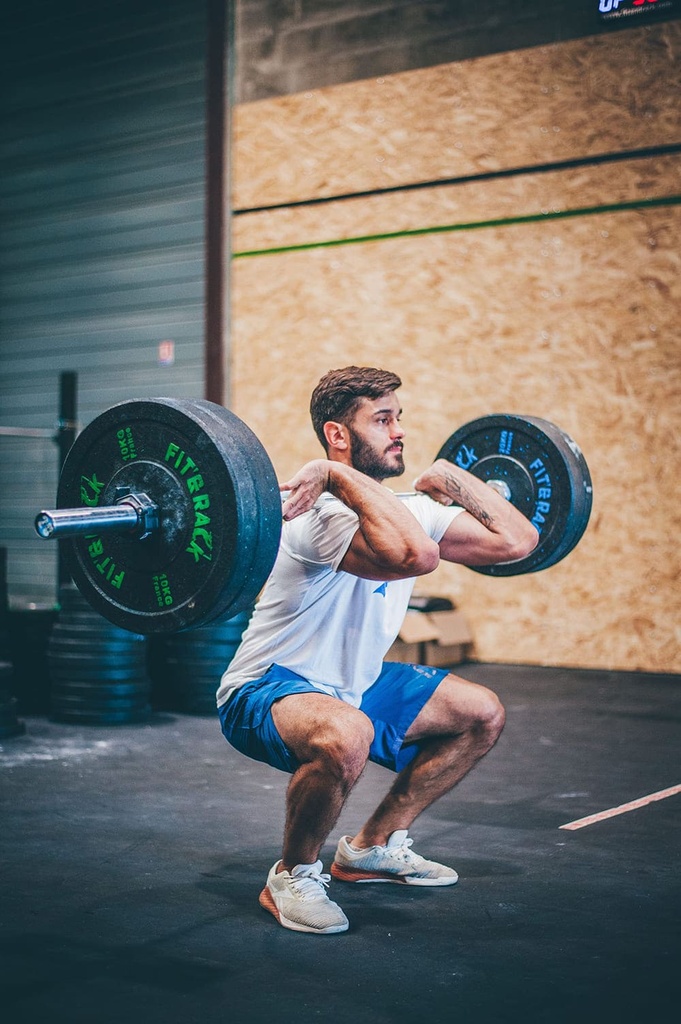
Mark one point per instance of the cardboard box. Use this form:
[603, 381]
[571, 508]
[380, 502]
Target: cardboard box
[432, 638]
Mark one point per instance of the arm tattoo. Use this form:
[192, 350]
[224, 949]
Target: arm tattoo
[460, 495]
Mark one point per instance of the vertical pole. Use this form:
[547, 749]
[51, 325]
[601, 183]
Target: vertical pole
[4, 602]
[217, 196]
[67, 429]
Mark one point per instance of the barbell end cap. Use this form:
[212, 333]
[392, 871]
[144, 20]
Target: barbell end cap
[44, 525]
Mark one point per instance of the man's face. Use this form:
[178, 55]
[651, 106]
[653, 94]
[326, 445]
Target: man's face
[376, 437]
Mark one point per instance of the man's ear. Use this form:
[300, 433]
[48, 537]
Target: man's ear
[337, 436]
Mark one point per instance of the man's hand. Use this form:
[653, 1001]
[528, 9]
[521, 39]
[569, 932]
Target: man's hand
[490, 530]
[436, 483]
[304, 488]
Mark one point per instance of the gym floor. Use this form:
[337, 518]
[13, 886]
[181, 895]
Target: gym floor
[132, 859]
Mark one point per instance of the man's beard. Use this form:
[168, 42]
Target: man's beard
[370, 462]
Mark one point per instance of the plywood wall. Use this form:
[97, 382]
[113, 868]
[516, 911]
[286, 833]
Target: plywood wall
[554, 294]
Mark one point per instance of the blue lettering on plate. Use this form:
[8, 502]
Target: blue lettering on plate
[465, 457]
[505, 442]
[542, 507]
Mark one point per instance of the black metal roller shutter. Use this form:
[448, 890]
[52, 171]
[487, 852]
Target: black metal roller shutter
[102, 248]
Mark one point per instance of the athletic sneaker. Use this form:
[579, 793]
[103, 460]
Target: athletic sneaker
[393, 862]
[298, 900]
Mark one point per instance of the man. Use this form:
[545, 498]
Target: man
[307, 691]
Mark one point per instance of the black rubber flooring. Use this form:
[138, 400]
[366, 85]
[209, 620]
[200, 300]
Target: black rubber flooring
[132, 859]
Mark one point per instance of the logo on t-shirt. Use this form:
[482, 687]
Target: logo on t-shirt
[381, 589]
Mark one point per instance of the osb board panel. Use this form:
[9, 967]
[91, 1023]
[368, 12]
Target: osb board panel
[603, 94]
[466, 203]
[575, 320]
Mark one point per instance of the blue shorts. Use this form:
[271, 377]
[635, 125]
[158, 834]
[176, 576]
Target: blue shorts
[392, 704]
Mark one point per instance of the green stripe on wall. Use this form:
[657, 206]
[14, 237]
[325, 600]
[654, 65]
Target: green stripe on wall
[586, 211]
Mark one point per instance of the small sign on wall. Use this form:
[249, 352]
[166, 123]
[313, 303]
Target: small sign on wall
[630, 8]
[166, 353]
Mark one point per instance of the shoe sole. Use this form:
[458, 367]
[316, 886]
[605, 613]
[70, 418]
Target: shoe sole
[344, 874]
[266, 901]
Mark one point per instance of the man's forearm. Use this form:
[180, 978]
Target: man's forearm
[451, 485]
[391, 533]
[389, 543]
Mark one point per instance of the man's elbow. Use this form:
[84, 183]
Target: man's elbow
[522, 543]
[422, 559]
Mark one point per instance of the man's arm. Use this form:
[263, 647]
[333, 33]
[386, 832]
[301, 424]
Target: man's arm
[389, 543]
[491, 529]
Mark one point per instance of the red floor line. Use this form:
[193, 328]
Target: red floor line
[662, 794]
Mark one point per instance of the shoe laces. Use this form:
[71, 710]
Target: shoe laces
[403, 852]
[308, 886]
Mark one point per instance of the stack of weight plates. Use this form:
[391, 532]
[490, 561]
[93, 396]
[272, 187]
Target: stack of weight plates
[186, 667]
[9, 723]
[98, 671]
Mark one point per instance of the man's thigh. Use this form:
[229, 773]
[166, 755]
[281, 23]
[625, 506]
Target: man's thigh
[279, 718]
[393, 703]
[246, 717]
[455, 706]
[309, 723]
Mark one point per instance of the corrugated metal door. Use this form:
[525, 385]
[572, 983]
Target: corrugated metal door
[102, 249]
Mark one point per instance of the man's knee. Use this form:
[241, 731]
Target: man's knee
[474, 708]
[341, 745]
[490, 717]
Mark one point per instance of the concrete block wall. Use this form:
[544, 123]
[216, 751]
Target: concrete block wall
[287, 46]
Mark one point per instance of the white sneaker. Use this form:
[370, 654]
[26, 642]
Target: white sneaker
[298, 900]
[393, 862]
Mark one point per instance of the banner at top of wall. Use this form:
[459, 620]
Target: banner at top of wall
[609, 9]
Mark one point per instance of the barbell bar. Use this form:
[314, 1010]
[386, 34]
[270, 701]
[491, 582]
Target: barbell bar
[170, 510]
[137, 514]
[132, 513]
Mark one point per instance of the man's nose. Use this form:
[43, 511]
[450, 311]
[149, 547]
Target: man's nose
[397, 430]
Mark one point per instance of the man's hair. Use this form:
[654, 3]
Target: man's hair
[338, 394]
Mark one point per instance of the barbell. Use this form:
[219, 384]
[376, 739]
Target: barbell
[170, 509]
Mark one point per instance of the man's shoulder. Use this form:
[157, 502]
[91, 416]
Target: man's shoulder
[433, 517]
[325, 507]
[320, 537]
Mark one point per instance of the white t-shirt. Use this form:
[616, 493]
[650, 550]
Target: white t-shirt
[330, 627]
